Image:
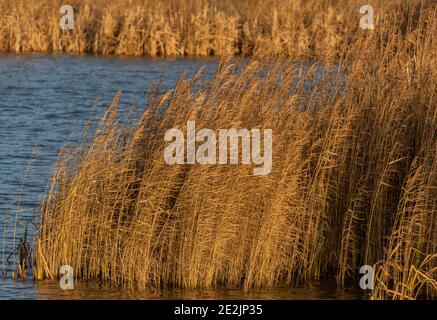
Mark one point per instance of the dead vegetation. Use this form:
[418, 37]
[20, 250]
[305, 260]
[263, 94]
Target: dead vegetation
[354, 177]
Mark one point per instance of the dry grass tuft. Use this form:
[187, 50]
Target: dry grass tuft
[354, 177]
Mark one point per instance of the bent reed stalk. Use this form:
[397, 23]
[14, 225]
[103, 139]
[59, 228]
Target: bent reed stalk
[354, 178]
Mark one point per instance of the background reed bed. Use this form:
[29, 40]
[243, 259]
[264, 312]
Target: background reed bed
[354, 177]
[297, 29]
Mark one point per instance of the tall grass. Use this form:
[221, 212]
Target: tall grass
[298, 29]
[354, 177]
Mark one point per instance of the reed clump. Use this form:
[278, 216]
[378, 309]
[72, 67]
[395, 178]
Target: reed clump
[354, 177]
[298, 29]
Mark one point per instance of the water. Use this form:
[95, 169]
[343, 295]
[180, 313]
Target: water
[43, 99]
[28, 289]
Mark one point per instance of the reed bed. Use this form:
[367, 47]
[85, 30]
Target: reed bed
[354, 177]
[298, 29]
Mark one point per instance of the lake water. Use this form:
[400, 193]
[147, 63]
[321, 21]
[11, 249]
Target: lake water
[43, 99]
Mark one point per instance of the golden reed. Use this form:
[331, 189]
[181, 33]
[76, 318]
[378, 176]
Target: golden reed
[354, 177]
[298, 29]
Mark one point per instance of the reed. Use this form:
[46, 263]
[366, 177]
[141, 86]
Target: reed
[354, 176]
[297, 29]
